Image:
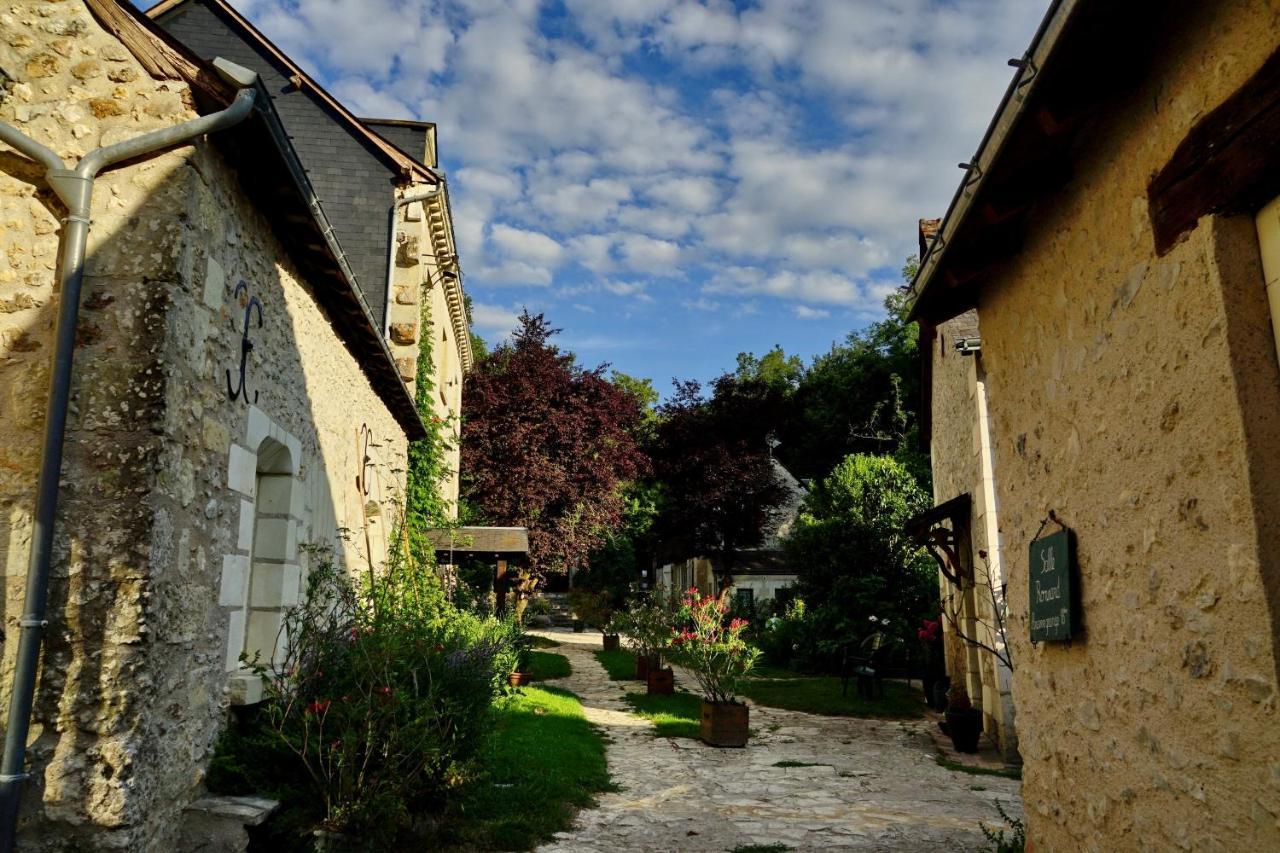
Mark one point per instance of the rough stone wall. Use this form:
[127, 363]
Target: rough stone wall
[155, 496]
[73, 88]
[1137, 396]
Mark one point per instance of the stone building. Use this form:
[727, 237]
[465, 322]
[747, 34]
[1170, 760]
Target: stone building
[233, 401]
[354, 166]
[962, 528]
[1107, 260]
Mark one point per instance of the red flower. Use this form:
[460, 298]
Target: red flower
[439, 647]
[737, 623]
[319, 706]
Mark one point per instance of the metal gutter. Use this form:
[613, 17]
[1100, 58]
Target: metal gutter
[1030, 68]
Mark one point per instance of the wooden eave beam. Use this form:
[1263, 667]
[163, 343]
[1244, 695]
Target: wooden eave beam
[1228, 163]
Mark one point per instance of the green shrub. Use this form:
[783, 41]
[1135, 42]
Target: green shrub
[380, 702]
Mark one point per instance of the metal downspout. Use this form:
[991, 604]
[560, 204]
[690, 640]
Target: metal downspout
[407, 198]
[74, 187]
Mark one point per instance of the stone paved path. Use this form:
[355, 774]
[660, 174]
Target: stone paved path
[876, 785]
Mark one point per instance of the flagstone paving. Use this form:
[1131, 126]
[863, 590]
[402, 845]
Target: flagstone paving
[874, 785]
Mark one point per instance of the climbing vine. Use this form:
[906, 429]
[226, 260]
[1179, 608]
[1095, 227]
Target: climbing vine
[425, 507]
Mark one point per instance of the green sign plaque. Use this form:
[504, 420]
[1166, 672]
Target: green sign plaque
[1053, 610]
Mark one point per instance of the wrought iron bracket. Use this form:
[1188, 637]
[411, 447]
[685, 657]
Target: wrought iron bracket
[246, 345]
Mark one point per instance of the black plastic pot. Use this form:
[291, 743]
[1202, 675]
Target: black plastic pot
[964, 726]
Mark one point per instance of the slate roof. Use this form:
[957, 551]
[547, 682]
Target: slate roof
[353, 169]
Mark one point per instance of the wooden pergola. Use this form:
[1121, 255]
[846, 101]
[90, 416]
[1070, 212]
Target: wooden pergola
[506, 547]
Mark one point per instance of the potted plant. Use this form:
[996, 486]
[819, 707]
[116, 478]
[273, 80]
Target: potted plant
[524, 664]
[964, 722]
[598, 609]
[538, 612]
[719, 656]
[647, 625]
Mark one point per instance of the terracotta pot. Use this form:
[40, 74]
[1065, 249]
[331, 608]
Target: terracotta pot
[964, 726]
[725, 723]
[642, 668]
[661, 681]
[519, 679]
[611, 642]
[579, 626]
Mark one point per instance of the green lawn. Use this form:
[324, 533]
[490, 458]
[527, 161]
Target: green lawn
[544, 761]
[545, 665]
[677, 715]
[620, 664]
[821, 695]
[543, 642]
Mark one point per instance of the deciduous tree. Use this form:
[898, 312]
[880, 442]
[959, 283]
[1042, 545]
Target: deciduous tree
[547, 444]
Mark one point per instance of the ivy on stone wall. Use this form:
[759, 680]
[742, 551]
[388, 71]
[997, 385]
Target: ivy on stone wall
[425, 507]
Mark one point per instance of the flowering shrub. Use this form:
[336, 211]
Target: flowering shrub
[647, 625]
[712, 646]
[383, 694]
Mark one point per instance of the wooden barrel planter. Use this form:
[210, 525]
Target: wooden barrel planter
[725, 723]
[661, 681]
[519, 679]
[612, 642]
[643, 665]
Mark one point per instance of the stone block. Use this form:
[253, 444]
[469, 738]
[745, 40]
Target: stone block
[404, 333]
[276, 539]
[235, 640]
[267, 585]
[408, 368]
[244, 537]
[407, 295]
[218, 823]
[235, 574]
[242, 470]
[259, 427]
[215, 436]
[408, 253]
[274, 494]
[215, 286]
[261, 635]
[244, 688]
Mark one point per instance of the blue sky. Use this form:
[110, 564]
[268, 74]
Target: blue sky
[674, 182]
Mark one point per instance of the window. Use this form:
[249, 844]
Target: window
[274, 576]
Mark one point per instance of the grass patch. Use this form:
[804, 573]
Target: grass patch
[543, 762]
[545, 665]
[1005, 772]
[619, 663]
[677, 715]
[543, 642]
[821, 695]
[760, 848]
[790, 763]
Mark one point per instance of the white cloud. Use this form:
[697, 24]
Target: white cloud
[781, 154]
[493, 321]
[645, 253]
[528, 246]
